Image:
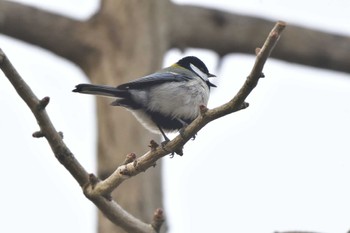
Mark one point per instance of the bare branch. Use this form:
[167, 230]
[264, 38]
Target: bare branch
[63, 154]
[237, 103]
[98, 191]
[158, 219]
[54, 32]
[226, 32]
[116, 214]
[110, 208]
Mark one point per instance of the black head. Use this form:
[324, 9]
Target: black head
[198, 67]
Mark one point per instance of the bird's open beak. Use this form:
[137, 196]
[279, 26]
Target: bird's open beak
[209, 83]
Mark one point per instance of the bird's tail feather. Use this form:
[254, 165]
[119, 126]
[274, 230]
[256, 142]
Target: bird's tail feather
[100, 90]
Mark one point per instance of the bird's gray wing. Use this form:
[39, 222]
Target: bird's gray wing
[153, 79]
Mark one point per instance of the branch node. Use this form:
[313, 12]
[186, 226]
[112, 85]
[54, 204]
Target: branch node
[61, 134]
[153, 145]
[108, 197]
[274, 34]
[125, 171]
[257, 51]
[244, 105]
[135, 164]
[38, 134]
[141, 168]
[93, 180]
[89, 186]
[43, 103]
[158, 219]
[203, 109]
[129, 158]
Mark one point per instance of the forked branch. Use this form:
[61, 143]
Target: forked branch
[237, 103]
[98, 191]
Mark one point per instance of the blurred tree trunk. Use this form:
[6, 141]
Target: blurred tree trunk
[130, 38]
[126, 39]
[122, 41]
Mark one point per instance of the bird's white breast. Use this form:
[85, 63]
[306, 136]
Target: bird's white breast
[171, 99]
[179, 99]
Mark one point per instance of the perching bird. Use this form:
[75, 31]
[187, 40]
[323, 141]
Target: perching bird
[164, 101]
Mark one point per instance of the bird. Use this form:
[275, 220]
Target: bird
[165, 101]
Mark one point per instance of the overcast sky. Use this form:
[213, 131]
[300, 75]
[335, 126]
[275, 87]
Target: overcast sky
[282, 164]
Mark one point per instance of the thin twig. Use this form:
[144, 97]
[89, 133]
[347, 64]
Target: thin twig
[96, 190]
[237, 103]
[47, 130]
[111, 209]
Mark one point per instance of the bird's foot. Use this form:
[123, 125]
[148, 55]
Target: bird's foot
[181, 132]
[177, 151]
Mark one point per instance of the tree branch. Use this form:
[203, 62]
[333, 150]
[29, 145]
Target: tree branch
[237, 103]
[47, 130]
[225, 32]
[56, 33]
[98, 191]
[237, 34]
[110, 208]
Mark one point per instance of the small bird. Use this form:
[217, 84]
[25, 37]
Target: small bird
[165, 101]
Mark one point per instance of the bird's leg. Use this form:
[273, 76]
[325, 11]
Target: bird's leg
[184, 125]
[166, 140]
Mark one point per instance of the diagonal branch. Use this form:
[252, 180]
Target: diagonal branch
[110, 208]
[56, 33]
[237, 103]
[98, 191]
[47, 130]
[225, 32]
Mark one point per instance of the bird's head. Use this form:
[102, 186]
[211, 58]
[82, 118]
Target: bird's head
[198, 67]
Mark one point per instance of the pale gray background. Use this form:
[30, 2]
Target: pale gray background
[282, 164]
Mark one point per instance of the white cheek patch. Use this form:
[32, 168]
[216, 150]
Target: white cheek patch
[201, 74]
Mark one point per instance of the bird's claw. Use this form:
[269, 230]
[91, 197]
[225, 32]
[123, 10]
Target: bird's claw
[177, 151]
[181, 132]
